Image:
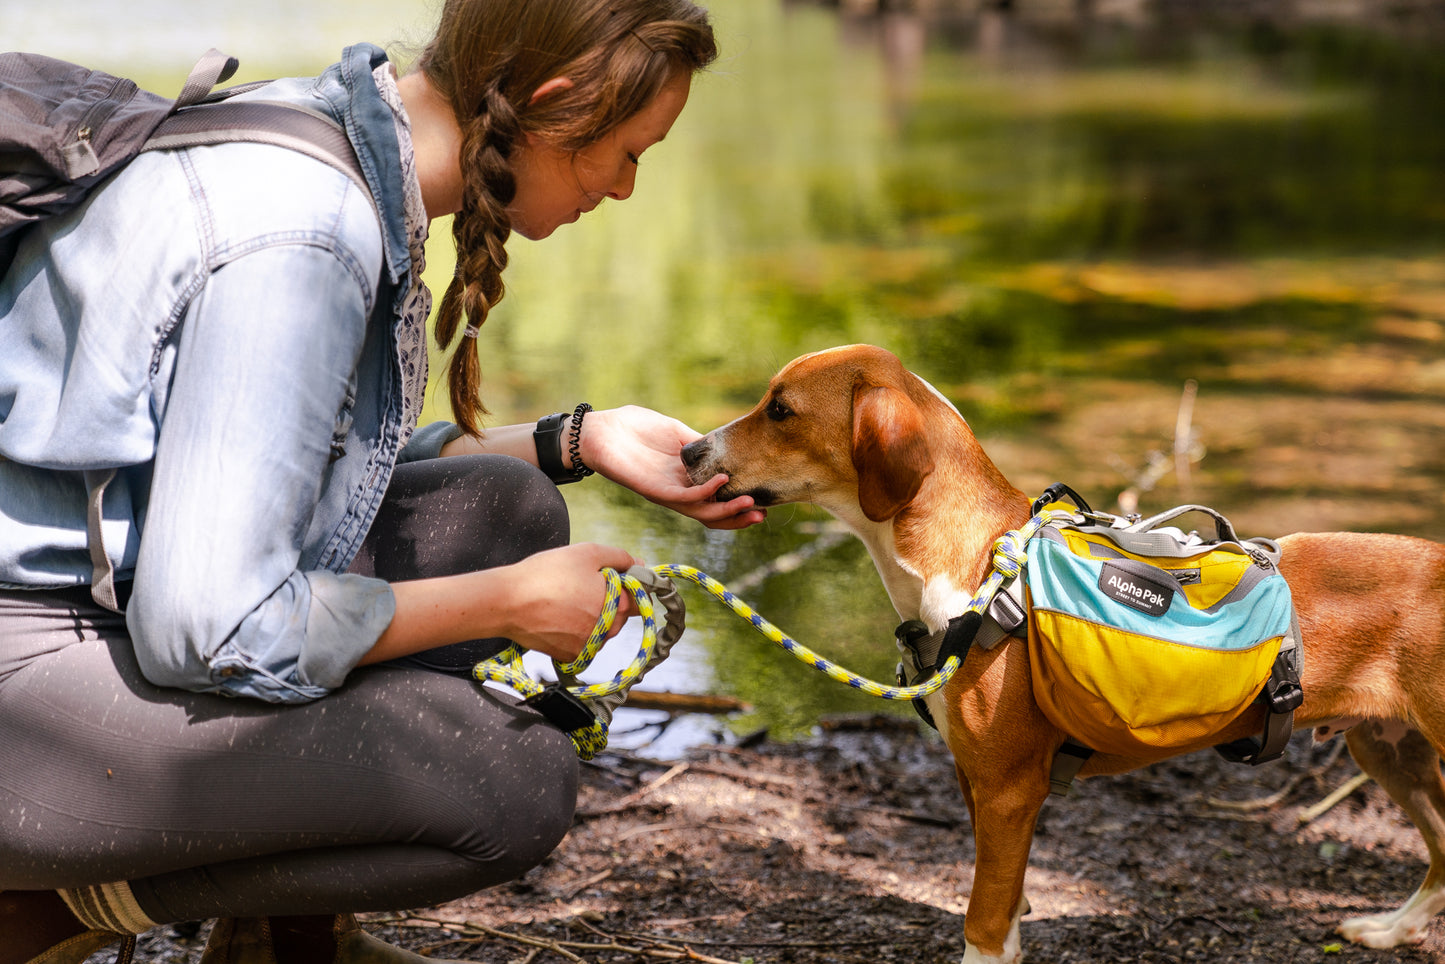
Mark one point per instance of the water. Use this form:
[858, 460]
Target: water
[1059, 222]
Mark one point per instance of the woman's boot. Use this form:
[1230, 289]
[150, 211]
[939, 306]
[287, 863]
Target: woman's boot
[40, 929]
[302, 940]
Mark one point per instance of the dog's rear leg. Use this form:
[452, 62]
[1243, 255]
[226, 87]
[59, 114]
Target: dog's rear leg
[1003, 832]
[1405, 763]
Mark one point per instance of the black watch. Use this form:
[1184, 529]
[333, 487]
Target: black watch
[547, 436]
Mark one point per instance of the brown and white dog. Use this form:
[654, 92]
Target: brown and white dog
[851, 430]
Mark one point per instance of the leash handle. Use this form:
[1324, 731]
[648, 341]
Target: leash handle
[584, 711]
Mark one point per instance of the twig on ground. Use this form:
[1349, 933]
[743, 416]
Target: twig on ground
[1279, 796]
[470, 933]
[1329, 802]
[636, 797]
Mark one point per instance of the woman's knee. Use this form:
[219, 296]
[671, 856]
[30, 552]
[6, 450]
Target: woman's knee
[526, 812]
[445, 516]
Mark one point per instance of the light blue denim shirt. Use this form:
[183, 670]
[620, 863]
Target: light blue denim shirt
[217, 323]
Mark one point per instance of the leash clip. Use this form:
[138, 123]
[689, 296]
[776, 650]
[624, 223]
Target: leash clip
[563, 709]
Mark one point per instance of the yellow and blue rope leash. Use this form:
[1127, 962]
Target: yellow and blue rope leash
[1009, 556]
[575, 707]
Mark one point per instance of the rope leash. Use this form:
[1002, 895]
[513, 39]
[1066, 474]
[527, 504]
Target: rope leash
[1009, 555]
[584, 711]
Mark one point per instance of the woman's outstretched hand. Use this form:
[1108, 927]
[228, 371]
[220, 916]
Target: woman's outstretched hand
[642, 449]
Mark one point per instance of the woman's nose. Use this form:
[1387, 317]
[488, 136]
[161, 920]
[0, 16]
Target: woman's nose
[626, 181]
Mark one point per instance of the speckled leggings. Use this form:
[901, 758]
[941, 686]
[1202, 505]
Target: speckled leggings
[404, 788]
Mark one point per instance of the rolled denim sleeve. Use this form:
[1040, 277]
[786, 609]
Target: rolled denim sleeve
[427, 441]
[261, 371]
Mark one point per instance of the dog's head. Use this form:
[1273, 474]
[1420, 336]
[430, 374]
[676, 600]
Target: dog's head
[842, 428]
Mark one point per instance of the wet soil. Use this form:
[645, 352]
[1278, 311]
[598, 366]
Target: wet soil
[855, 848]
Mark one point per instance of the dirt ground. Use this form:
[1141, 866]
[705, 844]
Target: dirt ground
[854, 848]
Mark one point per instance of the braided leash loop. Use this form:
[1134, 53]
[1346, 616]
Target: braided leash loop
[507, 667]
[1010, 554]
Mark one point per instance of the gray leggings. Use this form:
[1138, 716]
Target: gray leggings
[404, 788]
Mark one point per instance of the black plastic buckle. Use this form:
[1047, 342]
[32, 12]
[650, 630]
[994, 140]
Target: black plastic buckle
[1056, 492]
[1286, 697]
[910, 632]
[563, 709]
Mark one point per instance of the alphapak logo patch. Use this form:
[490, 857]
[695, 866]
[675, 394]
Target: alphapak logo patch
[1150, 596]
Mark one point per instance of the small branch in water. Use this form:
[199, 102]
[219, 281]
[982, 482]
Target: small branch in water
[685, 702]
[1185, 451]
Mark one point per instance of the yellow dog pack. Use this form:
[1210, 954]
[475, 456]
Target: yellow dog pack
[1144, 639]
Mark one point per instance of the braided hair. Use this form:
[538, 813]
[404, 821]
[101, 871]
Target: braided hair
[487, 59]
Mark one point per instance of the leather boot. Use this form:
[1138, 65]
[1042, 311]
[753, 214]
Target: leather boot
[30, 920]
[262, 940]
[77, 949]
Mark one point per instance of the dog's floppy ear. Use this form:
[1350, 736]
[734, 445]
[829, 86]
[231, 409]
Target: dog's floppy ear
[890, 450]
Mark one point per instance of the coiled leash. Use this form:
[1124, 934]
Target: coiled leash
[584, 711]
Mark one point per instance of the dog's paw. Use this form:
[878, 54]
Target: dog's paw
[1385, 930]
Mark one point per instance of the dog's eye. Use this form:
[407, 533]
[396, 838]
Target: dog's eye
[777, 411]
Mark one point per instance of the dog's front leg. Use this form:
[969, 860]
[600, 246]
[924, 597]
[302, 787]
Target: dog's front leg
[1003, 829]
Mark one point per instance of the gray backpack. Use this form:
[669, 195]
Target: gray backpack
[64, 128]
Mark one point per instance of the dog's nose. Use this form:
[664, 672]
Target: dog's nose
[694, 453]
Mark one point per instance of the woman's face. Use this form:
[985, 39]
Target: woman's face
[556, 187]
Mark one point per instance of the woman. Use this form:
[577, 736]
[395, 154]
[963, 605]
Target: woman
[211, 487]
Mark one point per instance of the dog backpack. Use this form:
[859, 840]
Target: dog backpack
[64, 128]
[1144, 639]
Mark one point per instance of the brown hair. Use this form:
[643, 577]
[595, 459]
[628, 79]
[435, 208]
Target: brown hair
[487, 58]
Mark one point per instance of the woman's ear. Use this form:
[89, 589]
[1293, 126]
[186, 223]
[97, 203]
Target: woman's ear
[890, 450]
[554, 86]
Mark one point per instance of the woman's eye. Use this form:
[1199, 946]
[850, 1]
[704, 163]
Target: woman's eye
[777, 411]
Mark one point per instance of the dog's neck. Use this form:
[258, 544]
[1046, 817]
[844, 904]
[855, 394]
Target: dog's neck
[933, 555]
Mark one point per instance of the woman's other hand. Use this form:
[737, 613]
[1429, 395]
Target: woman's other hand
[642, 449]
[548, 602]
[561, 593]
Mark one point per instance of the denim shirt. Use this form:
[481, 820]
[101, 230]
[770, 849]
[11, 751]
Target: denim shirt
[217, 324]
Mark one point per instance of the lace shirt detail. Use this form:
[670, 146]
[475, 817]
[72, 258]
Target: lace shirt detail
[416, 304]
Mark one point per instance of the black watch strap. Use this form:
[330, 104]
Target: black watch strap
[548, 438]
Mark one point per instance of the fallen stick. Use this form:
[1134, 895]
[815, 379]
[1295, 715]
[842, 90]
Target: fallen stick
[632, 799]
[1325, 805]
[685, 702]
[1267, 802]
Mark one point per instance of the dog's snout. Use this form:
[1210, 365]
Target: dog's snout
[695, 453]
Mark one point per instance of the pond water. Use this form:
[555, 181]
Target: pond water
[1076, 227]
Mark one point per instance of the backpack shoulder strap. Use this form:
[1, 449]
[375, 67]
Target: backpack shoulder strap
[261, 122]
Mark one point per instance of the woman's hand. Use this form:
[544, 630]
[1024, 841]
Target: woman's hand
[642, 449]
[548, 602]
[562, 592]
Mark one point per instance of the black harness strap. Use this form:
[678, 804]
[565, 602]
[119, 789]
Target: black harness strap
[931, 650]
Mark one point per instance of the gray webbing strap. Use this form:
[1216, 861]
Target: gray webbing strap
[1068, 761]
[1004, 617]
[102, 578]
[213, 68]
[1006, 614]
[262, 122]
